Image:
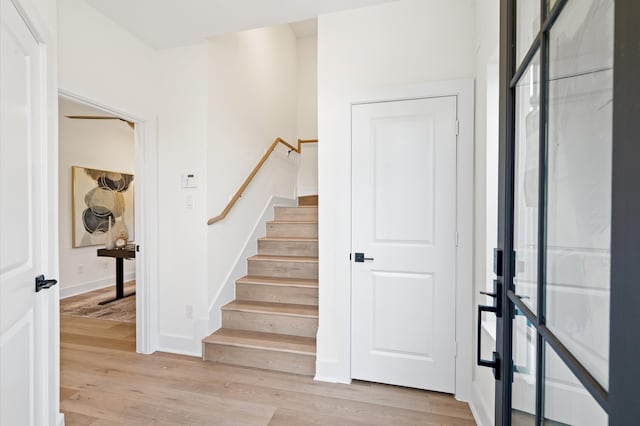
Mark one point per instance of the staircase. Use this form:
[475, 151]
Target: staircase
[273, 321]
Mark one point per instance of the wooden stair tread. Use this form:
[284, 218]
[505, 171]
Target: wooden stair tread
[293, 239]
[264, 341]
[294, 222]
[288, 309]
[290, 282]
[274, 258]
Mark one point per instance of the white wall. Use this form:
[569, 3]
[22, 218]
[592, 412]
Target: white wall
[100, 61]
[307, 77]
[307, 73]
[486, 46]
[409, 41]
[98, 144]
[182, 146]
[252, 100]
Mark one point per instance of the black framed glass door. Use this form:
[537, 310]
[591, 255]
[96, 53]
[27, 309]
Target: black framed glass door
[567, 233]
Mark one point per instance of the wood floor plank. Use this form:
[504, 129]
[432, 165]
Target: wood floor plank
[103, 384]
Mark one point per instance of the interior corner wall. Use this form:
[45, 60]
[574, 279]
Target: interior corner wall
[252, 100]
[394, 44]
[307, 70]
[97, 144]
[486, 48]
[100, 61]
[307, 90]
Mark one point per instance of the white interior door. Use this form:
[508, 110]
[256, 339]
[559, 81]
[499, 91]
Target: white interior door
[24, 343]
[404, 218]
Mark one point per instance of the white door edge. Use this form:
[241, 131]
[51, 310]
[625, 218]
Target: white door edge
[464, 91]
[45, 319]
[146, 217]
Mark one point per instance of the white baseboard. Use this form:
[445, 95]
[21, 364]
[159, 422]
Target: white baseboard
[60, 419]
[479, 408]
[328, 371]
[92, 285]
[181, 345]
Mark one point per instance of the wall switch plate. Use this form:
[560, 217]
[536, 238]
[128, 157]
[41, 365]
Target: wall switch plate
[188, 201]
[189, 180]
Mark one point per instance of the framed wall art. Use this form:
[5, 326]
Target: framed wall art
[100, 197]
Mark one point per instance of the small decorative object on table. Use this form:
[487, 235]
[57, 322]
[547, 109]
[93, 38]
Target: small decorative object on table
[108, 238]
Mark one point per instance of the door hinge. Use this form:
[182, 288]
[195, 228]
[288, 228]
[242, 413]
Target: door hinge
[457, 239]
[457, 127]
[455, 349]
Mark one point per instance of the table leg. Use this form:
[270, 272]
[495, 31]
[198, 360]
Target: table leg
[119, 283]
[119, 278]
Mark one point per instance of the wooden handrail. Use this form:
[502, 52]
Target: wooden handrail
[253, 173]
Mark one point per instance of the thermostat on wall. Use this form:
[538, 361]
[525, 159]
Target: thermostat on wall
[189, 180]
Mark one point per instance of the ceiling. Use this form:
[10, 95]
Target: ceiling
[169, 23]
[305, 28]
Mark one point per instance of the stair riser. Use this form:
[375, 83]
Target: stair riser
[277, 294]
[270, 323]
[288, 248]
[299, 230]
[259, 358]
[295, 213]
[283, 269]
[308, 200]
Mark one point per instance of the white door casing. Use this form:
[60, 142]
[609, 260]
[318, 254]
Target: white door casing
[28, 385]
[146, 217]
[404, 217]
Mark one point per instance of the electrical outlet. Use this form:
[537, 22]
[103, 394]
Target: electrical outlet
[80, 269]
[188, 310]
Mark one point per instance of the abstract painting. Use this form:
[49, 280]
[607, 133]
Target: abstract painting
[100, 197]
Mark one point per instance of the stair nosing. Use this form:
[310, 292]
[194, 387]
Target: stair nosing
[280, 258]
[211, 340]
[257, 310]
[292, 239]
[248, 279]
[304, 222]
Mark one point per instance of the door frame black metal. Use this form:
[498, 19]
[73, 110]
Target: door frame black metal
[620, 402]
[624, 348]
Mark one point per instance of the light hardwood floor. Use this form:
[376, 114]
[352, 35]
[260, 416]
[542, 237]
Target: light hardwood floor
[104, 382]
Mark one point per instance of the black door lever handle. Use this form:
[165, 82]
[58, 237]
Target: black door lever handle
[42, 284]
[360, 258]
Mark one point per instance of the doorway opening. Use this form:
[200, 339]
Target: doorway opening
[145, 216]
[97, 224]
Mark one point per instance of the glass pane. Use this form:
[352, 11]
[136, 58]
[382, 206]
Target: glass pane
[527, 26]
[566, 401]
[525, 227]
[523, 396]
[579, 182]
[581, 39]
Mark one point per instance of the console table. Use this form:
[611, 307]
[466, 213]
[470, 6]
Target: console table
[128, 252]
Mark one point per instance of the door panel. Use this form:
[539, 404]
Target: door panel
[556, 212]
[404, 188]
[21, 201]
